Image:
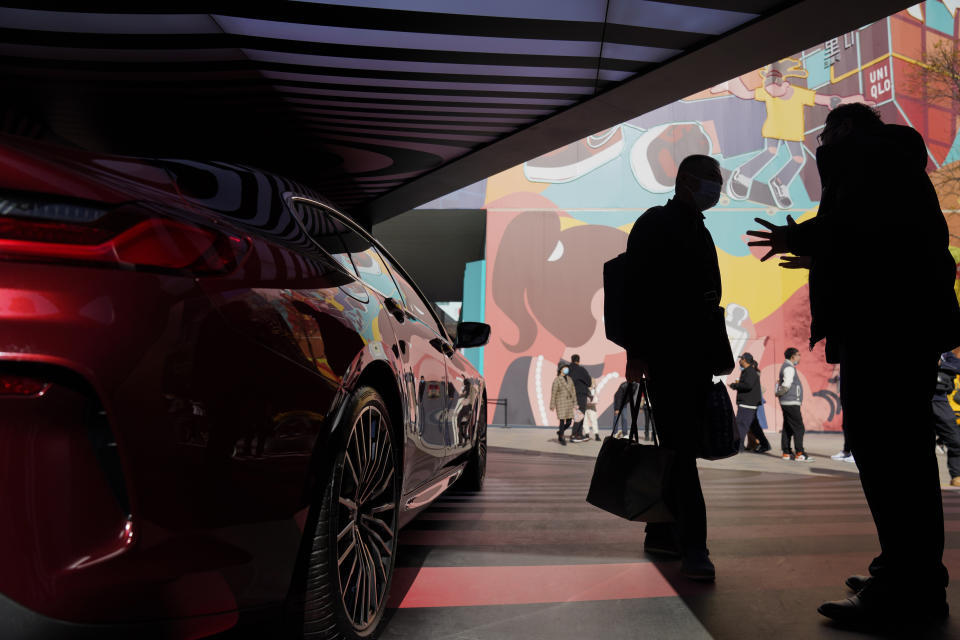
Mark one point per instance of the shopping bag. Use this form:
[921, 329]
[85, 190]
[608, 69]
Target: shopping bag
[719, 434]
[628, 477]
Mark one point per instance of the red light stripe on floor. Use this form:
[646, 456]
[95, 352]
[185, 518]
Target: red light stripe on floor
[479, 586]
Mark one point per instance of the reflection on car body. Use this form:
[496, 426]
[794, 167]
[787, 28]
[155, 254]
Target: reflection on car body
[223, 395]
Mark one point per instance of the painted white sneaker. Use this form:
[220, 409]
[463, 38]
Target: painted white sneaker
[738, 185]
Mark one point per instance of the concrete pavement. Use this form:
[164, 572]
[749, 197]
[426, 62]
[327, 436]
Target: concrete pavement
[819, 445]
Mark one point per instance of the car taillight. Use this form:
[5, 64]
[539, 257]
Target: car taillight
[125, 236]
[11, 385]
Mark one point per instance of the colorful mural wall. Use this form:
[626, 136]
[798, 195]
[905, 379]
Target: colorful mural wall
[555, 220]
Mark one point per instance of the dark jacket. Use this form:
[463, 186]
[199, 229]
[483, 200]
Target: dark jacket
[879, 237]
[581, 382]
[748, 387]
[673, 263]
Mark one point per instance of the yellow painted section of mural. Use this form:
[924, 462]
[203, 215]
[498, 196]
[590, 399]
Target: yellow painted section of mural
[510, 181]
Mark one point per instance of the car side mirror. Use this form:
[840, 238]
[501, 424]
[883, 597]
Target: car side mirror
[472, 334]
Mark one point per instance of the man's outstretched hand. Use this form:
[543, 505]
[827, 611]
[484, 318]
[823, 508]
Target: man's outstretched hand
[775, 238]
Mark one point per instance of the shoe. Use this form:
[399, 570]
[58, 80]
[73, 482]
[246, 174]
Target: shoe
[697, 566]
[761, 449]
[840, 456]
[856, 583]
[874, 608]
[561, 440]
[596, 437]
[849, 459]
[780, 193]
[738, 186]
[661, 544]
[802, 457]
[787, 455]
[577, 158]
[955, 482]
[656, 154]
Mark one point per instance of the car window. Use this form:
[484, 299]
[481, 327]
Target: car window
[326, 231]
[370, 266]
[416, 304]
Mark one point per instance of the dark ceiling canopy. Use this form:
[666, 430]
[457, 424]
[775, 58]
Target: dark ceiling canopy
[381, 105]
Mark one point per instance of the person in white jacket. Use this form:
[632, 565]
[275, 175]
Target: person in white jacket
[790, 392]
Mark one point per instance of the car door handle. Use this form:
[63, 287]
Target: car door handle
[394, 307]
[442, 347]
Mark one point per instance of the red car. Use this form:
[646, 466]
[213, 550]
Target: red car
[218, 396]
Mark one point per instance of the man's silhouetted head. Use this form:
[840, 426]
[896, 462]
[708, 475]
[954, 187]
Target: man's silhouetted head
[699, 182]
[850, 118]
[575, 359]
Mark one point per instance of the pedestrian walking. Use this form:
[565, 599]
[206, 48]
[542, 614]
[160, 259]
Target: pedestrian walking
[581, 382]
[590, 422]
[790, 392]
[672, 239]
[858, 152]
[563, 400]
[749, 398]
[944, 419]
[622, 410]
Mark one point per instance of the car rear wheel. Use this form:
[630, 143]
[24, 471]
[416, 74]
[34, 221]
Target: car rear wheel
[476, 470]
[350, 566]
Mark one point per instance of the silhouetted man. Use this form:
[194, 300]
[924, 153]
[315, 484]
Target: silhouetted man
[879, 236]
[673, 265]
[581, 382]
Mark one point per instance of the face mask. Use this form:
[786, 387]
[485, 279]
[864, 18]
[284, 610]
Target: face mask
[565, 370]
[707, 194]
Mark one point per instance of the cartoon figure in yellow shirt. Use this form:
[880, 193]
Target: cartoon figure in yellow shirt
[784, 125]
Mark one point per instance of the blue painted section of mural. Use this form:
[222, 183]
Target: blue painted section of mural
[474, 300]
[938, 17]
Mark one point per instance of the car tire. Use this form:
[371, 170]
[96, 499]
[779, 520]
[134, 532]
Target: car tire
[349, 567]
[476, 470]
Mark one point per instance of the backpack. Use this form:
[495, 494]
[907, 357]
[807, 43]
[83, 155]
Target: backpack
[615, 309]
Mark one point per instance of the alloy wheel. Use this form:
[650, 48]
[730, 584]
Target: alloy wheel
[366, 521]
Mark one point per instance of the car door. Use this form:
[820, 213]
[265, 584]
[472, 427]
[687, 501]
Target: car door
[422, 354]
[428, 344]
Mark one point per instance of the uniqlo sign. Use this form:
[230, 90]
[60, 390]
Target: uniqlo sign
[878, 82]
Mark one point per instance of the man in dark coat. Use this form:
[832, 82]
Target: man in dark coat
[879, 238]
[749, 397]
[672, 261]
[581, 382]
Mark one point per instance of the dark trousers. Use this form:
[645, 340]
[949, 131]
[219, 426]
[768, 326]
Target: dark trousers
[904, 498]
[577, 430]
[564, 425]
[792, 427]
[747, 422]
[678, 396]
[945, 424]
